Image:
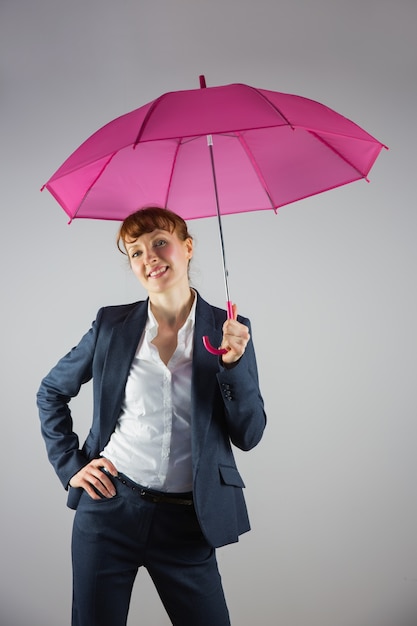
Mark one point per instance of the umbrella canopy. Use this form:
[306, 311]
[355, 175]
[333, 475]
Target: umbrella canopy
[213, 151]
[269, 149]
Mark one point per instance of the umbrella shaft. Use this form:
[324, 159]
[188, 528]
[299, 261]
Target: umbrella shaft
[219, 219]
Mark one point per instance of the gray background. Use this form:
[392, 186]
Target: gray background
[329, 284]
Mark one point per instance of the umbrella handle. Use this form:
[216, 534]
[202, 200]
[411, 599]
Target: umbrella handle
[206, 340]
[210, 348]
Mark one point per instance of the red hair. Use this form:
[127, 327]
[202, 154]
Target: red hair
[147, 220]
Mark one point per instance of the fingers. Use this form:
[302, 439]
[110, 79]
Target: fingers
[235, 338]
[108, 466]
[94, 481]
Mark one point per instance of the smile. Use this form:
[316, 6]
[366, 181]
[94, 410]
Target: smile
[159, 271]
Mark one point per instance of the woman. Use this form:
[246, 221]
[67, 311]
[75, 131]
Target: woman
[155, 483]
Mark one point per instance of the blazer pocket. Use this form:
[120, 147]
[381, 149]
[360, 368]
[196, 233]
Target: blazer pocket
[230, 476]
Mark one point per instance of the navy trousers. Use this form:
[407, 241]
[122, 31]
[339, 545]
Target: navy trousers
[113, 537]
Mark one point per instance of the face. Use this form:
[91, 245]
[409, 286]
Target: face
[160, 260]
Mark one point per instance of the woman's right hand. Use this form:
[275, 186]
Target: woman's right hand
[91, 477]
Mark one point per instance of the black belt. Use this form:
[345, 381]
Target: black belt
[156, 496]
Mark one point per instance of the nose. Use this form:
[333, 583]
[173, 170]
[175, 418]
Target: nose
[149, 255]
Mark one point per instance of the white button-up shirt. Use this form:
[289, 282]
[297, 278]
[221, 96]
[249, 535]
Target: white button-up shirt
[151, 443]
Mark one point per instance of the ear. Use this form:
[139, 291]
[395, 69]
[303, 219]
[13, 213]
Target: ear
[189, 244]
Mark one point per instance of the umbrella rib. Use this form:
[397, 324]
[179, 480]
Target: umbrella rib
[256, 169]
[273, 106]
[92, 185]
[146, 120]
[171, 174]
[339, 154]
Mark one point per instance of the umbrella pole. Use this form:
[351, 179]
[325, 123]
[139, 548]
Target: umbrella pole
[225, 272]
[206, 340]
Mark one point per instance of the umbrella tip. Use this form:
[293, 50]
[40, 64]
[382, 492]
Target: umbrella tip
[202, 79]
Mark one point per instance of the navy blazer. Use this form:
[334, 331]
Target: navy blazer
[227, 407]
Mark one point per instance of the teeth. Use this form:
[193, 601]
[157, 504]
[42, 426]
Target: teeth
[157, 272]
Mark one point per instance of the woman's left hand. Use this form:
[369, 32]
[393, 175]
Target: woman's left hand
[235, 339]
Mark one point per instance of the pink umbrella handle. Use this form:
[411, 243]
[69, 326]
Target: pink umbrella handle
[210, 348]
[206, 340]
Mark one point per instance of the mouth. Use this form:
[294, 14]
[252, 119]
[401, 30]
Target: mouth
[158, 272]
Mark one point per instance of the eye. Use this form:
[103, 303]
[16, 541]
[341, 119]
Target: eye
[135, 253]
[159, 242]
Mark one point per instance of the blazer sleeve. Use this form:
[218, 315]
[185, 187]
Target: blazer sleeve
[61, 384]
[243, 404]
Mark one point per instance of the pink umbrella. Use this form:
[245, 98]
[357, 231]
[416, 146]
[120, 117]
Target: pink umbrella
[213, 151]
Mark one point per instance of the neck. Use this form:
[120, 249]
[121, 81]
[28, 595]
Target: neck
[172, 309]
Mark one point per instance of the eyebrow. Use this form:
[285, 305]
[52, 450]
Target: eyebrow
[131, 246]
[161, 234]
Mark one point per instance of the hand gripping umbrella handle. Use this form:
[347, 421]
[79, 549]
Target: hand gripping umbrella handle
[212, 349]
[206, 340]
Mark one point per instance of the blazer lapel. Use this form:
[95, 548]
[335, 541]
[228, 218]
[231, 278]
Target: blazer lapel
[205, 368]
[122, 347]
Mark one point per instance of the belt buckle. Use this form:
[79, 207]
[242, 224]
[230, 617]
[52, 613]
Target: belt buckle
[146, 495]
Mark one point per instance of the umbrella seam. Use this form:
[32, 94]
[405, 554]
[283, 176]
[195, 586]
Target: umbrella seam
[171, 174]
[273, 106]
[256, 169]
[93, 183]
[60, 200]
[146, 120]
[339, 154]
[368, 139]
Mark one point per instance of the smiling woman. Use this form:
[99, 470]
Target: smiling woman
[159, 257]
[156, 477]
